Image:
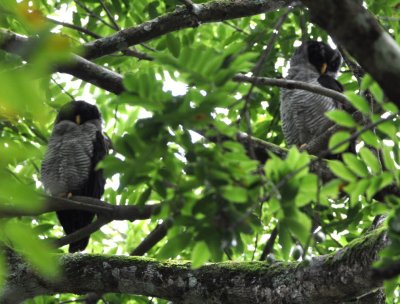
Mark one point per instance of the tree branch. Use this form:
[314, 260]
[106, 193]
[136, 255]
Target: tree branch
[293, 85]
[349, 23]
[349, 276]
[114, 212]
[153, 238]
[181, 18]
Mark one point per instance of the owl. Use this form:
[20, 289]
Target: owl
[302, 112]
[75, 147]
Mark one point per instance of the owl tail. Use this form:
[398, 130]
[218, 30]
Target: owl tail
[73, 220]
[78, 246]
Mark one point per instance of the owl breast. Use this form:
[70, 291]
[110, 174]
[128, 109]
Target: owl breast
[303, 114]
[67, 163]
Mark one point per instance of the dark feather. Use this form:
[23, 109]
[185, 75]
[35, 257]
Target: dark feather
[330, 83]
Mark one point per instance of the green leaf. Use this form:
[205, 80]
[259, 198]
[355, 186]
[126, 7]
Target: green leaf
[341, 118]
[340, 170]
[200, 254]
[340, 137]
[370, 139]
[370, 160]
[389, 128]
[300, 226]
[366, 82]
[388, 158]
[36, 251]
[377, 92]
[173, 45]
[308, 190]
[285, 240]
[358, 102]
[234, 194]
[174, 246]
[355, 165]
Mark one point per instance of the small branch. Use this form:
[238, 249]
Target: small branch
[153, 238]
[74, 27]
[83, 232]
[92, 14]
[110, 16]
[269, 245]
[293, 85]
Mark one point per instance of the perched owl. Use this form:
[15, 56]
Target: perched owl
[75, 147]
[302, 112]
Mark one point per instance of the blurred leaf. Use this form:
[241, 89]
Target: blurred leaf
[358, 102]
[200, 254]
[370, 160]
[341, 118]
[340, 170]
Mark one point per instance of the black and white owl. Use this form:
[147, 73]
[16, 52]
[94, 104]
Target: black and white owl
[75, 147]
[302, 112]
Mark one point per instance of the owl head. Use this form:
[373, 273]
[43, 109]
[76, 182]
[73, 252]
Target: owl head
[78, 112]
[317, 56]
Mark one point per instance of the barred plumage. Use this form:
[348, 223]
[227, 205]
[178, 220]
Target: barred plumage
[302, 112]
[75, 147]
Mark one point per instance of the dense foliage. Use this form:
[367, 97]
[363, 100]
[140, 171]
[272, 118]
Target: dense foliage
[174, 137]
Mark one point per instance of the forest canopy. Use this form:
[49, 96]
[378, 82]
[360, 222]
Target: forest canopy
[204, 200]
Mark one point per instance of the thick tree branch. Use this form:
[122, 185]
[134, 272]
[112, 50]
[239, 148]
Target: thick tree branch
[78, 66]
[181, 18]
[349, 276]
[349, 23]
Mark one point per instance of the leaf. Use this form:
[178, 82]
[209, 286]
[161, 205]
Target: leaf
[175, 245]
[308, 190]
[285, 240]
[366, 82]
[370, 139]
[341, 118]
[389, 128]
[340, 170]
[355, 165]
[234, 194]
[300, 226]
[36, 251]
[200, 254]
[173, 45]
[340, 137]
[388, 158]
[358, 102]
[370, 160]
[377, 92]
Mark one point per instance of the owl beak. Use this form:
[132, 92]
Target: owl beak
[78, 119]
[324, 68]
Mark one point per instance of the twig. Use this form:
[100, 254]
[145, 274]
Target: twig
[293, 85]
[83, 232]
[92, 14]
[269, 245]
[110, 16]
[235, 28]
[62, 88]
[75, 27]
[153, 238]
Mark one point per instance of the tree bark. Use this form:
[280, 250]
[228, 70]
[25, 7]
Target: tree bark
[332, 278]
